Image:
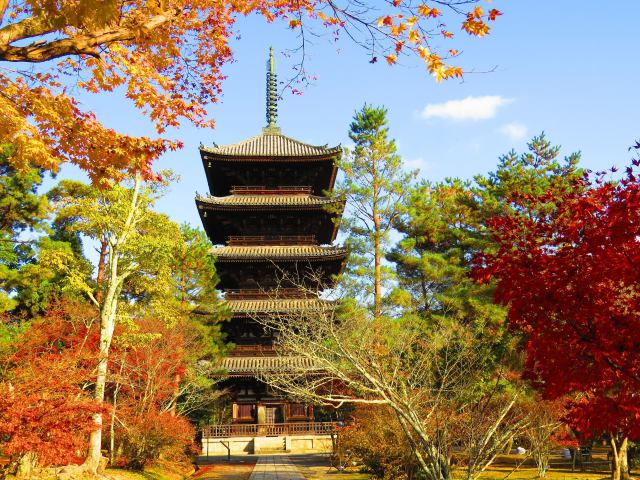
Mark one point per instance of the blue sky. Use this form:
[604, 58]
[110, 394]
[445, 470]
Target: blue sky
[569, 67]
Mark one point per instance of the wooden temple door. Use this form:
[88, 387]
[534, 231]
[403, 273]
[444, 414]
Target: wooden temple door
[270, 417]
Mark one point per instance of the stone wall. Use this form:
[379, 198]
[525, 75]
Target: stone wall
[256, 445]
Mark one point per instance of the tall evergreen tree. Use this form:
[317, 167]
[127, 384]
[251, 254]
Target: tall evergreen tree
[21, 210]
[374, 185]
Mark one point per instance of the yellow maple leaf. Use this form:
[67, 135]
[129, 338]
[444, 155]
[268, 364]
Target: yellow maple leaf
[414, 36]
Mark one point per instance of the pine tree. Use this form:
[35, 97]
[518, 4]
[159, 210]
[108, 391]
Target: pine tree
[374, 185]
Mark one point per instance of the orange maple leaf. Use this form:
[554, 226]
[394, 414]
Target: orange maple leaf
[493, 14]
[426, 11]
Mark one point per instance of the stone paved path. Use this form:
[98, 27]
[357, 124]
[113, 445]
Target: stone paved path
[275, 467]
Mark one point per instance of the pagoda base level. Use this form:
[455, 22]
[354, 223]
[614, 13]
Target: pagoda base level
[311, 443]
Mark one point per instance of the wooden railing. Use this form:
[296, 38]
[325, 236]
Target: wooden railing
[253, 351]
[235, 240]
[263, 190]
[257, 293]
[252, 430]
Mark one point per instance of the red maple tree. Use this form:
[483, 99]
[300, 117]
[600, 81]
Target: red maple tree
[148, 368]
[45, 409]
[571, 278]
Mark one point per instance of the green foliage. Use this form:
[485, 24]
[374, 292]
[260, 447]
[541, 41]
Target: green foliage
[195, 280]
[10, 331]
[21, 210]
[152, 272]
[143, 239]
[56, 271]
[444, 228]
[527, 176]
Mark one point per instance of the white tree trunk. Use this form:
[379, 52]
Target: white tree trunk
[108, 314]
[107, 326]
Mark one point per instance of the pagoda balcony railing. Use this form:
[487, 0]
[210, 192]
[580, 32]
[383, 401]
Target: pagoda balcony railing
[264, 190]
[257, 293]
[268, 429]
[235, 240]
[253, 351]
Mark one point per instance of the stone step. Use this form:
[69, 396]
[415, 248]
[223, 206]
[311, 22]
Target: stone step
[267, 451]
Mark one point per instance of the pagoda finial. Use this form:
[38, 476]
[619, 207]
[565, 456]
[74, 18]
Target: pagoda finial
[272, 92]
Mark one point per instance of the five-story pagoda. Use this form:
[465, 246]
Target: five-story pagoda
[269, 215]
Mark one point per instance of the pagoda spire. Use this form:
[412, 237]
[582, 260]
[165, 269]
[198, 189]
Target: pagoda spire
[272, 93]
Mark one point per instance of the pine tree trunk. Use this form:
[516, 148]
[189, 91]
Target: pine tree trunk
[619, 462]
[378, 278]
[102, 263]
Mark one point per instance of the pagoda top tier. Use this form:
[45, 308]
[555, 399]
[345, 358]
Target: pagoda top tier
[269, 145]
[271, 160]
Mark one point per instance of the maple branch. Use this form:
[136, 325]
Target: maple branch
[42, 51]
[92, 298]
[27, 28]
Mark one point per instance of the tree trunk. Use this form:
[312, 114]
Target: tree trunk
[437, 468]
[176, 393]
[108, 312]
[102, 263]
[26, 465]
[377, 300]
[619, 463]
[107, 325]
[112, 427]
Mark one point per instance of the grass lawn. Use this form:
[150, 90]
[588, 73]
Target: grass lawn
[121, 474]
[159, 471]
[525, 473]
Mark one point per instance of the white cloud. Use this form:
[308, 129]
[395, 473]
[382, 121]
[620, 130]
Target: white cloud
[470, 108]
[515, 131]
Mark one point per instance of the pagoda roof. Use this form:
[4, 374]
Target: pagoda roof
[271, 144]
[277, 252]
[284, 305]
[259, 201]
[256, 365]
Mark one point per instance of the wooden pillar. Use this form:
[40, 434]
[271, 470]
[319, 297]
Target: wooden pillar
[262, 414]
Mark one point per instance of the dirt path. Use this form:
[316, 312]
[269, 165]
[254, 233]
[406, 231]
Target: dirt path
[219, 468]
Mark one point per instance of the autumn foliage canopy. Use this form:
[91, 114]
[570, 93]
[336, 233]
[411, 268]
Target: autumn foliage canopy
[570, 278]
[167, 58]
